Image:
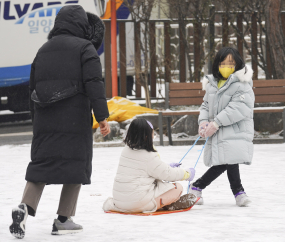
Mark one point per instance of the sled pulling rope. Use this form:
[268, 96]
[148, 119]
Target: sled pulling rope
[190, 149]
[201, 152]
[197, 162]
[198, 157]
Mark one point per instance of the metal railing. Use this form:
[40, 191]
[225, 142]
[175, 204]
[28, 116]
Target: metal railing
[167, 58]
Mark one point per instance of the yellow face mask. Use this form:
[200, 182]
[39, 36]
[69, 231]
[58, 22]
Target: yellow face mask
[226, 71]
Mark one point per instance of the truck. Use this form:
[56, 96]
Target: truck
[24, 27]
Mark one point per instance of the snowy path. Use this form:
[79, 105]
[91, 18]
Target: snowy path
[218, 220]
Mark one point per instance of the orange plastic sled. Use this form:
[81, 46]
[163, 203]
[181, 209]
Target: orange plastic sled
[155, 213]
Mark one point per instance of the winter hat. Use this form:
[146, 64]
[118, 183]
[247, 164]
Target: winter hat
[92, 27]
[96, 31]
[72, 20]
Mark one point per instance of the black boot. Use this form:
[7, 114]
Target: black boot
[185, 201]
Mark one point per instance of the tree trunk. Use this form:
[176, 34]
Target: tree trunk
[146, 66]
[275, 37]
[182, 24]
[147, 96]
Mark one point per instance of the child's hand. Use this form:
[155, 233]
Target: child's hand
[212, 128]
[202, 128]
[192, 172]
[173, 164]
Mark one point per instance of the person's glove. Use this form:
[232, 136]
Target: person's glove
[191, 171]
[173, 164]
[202, 128]
[212, 128]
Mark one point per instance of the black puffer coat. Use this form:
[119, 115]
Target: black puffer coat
[65, 84]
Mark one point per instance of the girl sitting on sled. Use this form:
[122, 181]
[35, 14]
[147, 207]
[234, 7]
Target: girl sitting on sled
[142, 180]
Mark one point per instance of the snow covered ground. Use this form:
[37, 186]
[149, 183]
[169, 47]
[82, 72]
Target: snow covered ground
[218, 220]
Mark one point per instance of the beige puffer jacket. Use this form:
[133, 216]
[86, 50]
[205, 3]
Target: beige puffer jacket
[139, 181]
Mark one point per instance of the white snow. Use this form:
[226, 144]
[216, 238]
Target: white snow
[218, 220]
[2, 112]
[269, 108]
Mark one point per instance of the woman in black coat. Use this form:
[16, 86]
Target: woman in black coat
[65, 85]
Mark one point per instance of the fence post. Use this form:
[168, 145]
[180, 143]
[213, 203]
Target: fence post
[167, 67]
[123, 70]
[283, 114]
[211, 39]
[225, 30]
[166, 95]
[107, 52]
[160, 128]
[254, 45]
[169, 130]
[197, 32]
[268, 61]
[137, 30]
[152, 51]
[182, 60]
[239, 37]
[283, 22]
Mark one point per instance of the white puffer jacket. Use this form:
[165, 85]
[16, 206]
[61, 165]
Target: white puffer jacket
[139, 181]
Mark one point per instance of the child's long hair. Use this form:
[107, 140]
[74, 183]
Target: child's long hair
[221, 56]
[139, 135]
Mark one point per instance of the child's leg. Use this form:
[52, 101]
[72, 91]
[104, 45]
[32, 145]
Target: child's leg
[170, 196]
[234, 178]
[210, 175]
[242, 199]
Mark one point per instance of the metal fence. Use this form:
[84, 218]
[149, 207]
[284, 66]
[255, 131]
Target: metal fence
[163, 53]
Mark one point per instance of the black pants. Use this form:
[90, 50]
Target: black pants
[216, 171]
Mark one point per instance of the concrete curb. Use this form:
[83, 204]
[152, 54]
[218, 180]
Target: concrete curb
[187, 142]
